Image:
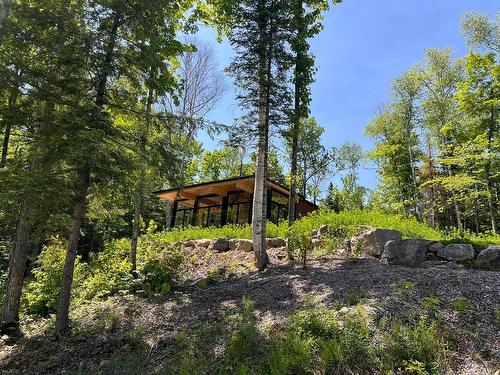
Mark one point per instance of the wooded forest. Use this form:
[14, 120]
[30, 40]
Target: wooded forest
[104, 102]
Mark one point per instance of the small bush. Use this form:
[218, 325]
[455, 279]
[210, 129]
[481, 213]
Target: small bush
[431, 303]
[41, 292]
[403, 288]
[414, 347]
[350, 351]
[460, 305]
[164, 271]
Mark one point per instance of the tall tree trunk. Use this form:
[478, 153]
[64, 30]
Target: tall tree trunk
[19, 253]
[139, 193]
[17, 267]
[62, 319]
[8, 126]
[432, 193]
[489, 187]
[299, 15]
[476, 209]
[260, 186]
[84, 172]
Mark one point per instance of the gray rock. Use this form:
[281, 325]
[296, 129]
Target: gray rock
[408, 252]
[275, 242]
[457, 252]
[489, 258]
[233, 244]
[244, 245]
[219, 244]
[203, 243]
[317, 242]
[372, 241]
[435, 247]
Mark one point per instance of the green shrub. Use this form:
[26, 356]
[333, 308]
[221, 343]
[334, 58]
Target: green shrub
[245, 338]
[460, 305]
[417, 347]
[350, 351]
[431, 303]
[403, 288]
[161, 273]
[41, 292]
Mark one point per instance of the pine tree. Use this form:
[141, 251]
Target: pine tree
[259, 36]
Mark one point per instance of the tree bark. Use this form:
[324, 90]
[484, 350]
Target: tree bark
[139, 194]
[8, 127]
[260, 195]
[62, 320]
[489, 187]
[299, 13]
[17, 268]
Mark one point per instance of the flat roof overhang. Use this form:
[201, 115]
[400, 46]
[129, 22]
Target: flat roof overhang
[188, 194]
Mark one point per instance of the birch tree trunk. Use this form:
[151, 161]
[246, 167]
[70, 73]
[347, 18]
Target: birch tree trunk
[260, 195]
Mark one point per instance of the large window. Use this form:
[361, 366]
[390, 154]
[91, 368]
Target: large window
[279, 207]
[238, 208]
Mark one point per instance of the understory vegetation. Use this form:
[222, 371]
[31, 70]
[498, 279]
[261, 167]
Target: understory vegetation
[314, 339]
[162, 263]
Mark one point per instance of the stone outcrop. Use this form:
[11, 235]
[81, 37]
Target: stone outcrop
[276, 242]
[219, 244]
[457, 252]
[245, 246]
[408, 252]
[489, 258]
[372, 241]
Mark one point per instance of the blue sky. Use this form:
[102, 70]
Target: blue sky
[363, 47]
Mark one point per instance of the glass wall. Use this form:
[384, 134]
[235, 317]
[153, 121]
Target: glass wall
[209, 211]
[238, 210]
[279, 207]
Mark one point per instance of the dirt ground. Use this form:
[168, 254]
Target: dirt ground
[276, 293]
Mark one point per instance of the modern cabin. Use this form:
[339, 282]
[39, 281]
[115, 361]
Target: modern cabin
[228, 201]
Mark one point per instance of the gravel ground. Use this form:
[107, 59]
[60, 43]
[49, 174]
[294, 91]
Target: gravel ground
[281, 288]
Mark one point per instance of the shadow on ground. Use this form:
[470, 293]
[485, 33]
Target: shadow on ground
[143, 336]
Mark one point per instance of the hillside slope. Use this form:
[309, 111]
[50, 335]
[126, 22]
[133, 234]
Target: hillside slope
[131, 335]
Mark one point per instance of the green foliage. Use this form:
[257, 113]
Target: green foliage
[245, 338]
[151, 242]
[40, 293]
[460, 305]
[403, 288]
[431, 304]
[164, 271]
[414, 349]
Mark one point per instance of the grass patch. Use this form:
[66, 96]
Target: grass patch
[403, 288]
[460, 305]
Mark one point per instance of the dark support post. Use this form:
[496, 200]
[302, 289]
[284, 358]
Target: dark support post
[250, 207]
[269, 201]
[223, 214]
[173, 214]
[195, 212]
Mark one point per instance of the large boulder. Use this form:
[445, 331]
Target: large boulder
[372, 241]
[275, 242]
[202, 243]
[408, 252]
[233, 244]
[320, 232]
[457, 252]
[219, 244]
[244, 245]
[489, 258]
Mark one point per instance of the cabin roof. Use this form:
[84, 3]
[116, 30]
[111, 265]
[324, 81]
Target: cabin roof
[220, 187]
